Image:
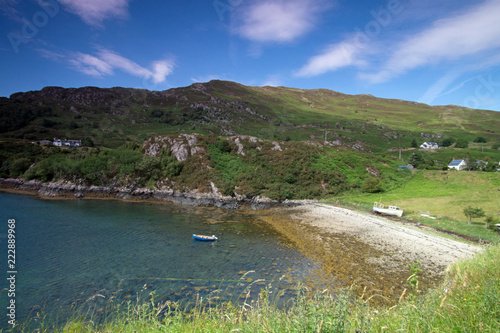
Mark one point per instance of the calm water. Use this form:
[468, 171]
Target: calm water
[84, 253]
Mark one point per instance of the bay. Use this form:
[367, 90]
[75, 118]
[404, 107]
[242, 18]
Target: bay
[86, 254]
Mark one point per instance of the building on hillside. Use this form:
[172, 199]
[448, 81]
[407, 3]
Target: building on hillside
[45, 142]
[67, 143]
[457, 165]
[481, 165]
[429, 145]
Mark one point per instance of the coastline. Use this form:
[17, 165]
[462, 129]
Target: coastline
[71, 191]
[370, 253]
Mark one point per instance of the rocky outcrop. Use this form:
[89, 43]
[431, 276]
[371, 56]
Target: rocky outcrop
[130, 193]
[182, 146]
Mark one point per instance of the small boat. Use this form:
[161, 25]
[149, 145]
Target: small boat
[205, 238]
[390, 210]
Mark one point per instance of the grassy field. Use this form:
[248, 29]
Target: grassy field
[442, 194]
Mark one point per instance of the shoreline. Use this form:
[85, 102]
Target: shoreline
[354, 249]
[370, 253]
[71, 191]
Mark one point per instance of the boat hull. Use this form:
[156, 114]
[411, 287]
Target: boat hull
[387, 210]
[390, 212]
[204, 238]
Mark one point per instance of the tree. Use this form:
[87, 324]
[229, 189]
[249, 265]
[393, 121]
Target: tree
[472, 213]
[447, 142]
[480, 139]
[462, 143]
[491, 222]
[420, 161]
[19, 166]
[414, 143]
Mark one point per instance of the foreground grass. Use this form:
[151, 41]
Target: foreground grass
[467, 300]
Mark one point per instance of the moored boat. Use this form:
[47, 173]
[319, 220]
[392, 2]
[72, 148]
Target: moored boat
[205, 238]
[389, 210]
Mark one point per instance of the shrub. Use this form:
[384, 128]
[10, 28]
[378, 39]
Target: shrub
[462, 143]
[480, 139]
[19, 166]
[372, 185]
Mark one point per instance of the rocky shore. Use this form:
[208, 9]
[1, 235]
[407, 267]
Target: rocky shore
[69, 190]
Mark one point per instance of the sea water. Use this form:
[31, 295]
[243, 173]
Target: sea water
[86, 254]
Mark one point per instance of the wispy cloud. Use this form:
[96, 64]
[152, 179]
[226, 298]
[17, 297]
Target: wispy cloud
[94, 12]
[273, 80]
[104, 62]
[277, 20]
[452, 38]
[7, 8]
[336, 56]
[207, 78]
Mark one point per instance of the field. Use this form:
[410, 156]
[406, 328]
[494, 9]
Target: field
[444, 195]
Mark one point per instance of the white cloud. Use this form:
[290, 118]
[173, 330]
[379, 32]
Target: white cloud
[90, 65]
[127, 65]
[105, 62]
[463, 35]
[272, 81]
[278, 20]
[161, 69]
[336, 56]
[94, 12]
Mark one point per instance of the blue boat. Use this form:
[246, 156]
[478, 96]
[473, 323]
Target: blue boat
[204, 238]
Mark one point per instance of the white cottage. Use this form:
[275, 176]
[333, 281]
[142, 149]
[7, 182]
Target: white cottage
[429, 145]
[457, 165]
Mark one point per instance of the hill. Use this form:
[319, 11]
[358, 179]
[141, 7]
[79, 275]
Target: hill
[110, 116]
[223, 137]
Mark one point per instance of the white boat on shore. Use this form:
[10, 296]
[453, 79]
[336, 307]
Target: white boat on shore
[389, 210]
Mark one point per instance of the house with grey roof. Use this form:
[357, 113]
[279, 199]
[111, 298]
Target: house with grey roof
[429, 145]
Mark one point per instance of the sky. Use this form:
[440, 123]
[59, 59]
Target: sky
[434, 52]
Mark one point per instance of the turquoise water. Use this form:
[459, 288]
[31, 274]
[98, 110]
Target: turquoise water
[88, 253]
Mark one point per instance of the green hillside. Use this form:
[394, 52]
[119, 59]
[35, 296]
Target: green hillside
[246, 141]
[111, 116]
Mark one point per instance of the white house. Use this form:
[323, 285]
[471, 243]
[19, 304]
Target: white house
[457, 165]
[67, 143]
[429, 145]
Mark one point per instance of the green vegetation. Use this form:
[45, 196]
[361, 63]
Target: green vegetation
[369, 143]
[443, 195]
[467, 300]
[473, 213]
[108, 117]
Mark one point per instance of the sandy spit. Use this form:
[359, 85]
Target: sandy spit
[401, 243]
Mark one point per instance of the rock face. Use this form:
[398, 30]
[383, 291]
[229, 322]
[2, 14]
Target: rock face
[191, 198]
[182, 146]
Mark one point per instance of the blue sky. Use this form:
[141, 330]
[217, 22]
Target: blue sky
[435, 52]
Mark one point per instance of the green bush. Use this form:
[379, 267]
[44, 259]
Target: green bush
[372, 185]
[462, 143]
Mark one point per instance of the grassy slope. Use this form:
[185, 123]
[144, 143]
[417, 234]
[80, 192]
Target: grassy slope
[111, 116]
[443, 194]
